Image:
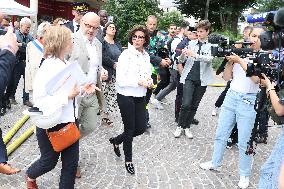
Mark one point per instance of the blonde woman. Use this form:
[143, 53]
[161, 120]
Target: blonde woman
[57, 44]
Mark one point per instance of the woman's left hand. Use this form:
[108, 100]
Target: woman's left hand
[265, 82]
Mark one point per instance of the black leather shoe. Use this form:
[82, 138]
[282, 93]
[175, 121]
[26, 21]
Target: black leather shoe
[130, 168]
[2, 111]
[195, 122]
[115, 148]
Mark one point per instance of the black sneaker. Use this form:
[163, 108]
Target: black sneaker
[130, 168]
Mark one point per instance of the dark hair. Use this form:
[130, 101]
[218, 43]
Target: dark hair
[142, 29]
[184, 24]
[204, 24]
[105, 28]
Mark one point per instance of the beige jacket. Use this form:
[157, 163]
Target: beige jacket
[33, 59]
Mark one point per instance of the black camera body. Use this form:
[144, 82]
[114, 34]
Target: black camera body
[226, 48]
[262, 63]
[274, 38]
[270, 40]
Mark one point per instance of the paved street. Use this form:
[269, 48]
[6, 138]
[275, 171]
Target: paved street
[161, 161]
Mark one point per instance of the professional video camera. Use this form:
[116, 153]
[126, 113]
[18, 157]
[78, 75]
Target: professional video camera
[226, 48]
[273, 39]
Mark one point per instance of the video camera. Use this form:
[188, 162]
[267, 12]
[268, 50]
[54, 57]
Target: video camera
[273, 39]
[226, 48]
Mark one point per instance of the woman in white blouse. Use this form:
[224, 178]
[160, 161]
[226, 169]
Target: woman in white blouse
[133, 77]
[57, 44]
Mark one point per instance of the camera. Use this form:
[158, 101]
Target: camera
[163, 53]
[263, 63]
[225, 48]
[274, 38]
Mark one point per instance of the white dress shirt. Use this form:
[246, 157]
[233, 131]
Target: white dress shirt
[48, 103]
[132, 66]
[95, 64]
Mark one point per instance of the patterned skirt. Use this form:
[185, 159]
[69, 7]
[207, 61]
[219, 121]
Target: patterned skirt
[110, 95]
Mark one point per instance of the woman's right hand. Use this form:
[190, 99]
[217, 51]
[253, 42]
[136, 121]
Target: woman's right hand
[74, 92]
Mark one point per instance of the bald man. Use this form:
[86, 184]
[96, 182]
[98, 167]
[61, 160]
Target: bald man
[87, 50]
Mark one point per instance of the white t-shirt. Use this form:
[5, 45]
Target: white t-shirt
[242, 83]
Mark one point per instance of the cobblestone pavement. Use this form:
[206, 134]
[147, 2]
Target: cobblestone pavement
[161, 161]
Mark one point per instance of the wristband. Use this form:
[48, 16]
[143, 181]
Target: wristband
[268, 90]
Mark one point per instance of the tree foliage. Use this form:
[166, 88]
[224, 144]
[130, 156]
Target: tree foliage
[223, 14]
[128, 13]
[172, 17]
[269, 5]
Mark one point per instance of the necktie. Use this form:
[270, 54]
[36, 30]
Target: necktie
[199, 45]
[78, 26]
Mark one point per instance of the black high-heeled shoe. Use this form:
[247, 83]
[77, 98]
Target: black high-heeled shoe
[115, 148]
[130, 168]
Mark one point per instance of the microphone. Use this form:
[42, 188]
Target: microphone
[279, 17]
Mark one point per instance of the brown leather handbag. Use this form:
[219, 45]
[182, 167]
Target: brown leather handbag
[64, 137]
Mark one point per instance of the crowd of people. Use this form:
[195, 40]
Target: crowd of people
[125, 80]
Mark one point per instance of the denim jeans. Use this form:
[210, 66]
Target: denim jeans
[269, 173]
[237, 107]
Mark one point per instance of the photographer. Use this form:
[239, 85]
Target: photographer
[270, 171]
[238, 107]
[8, 46]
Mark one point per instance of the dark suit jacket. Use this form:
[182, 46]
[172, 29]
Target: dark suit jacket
[7, 63]
[70, 25]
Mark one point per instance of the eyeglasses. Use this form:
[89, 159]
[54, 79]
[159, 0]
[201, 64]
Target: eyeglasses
[90, 26]
[138, 37]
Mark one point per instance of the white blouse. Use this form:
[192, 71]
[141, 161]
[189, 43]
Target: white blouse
[132, 66]
[48, 103]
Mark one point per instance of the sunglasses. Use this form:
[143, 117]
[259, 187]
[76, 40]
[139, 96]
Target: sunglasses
[138, 37]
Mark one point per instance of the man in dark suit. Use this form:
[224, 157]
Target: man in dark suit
[8, 49]
[103, 20]
[78, 11]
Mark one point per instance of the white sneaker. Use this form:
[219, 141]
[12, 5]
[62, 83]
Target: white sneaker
[244, 182]
[215, 111]
[157, 104]
[207, 166]
[188, 133]
[178, 132]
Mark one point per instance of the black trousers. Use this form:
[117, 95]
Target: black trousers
[18, 71]
[165, 75]
[49, 159]
[3, 151]
[222, 96]
[133, 113]
[178, 100]
[192, 95]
